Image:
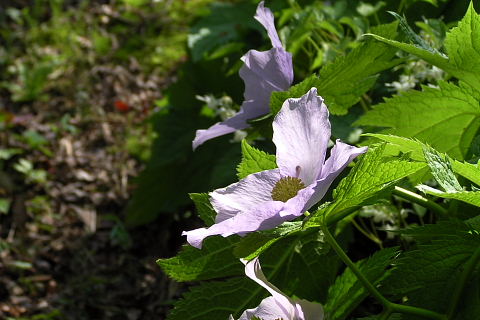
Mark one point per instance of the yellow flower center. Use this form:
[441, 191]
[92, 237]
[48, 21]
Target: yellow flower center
[286, 188]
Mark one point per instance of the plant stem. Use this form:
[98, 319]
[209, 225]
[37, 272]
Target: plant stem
[370, 288]
[386, 314]
[389, 306]
[424, 202]
[469, 267]
[334, 218]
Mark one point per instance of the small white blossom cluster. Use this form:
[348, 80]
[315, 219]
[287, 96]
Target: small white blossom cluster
[416, 72]
[222, 106]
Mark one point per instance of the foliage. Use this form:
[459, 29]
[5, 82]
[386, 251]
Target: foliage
[428, 136]
[143, 76]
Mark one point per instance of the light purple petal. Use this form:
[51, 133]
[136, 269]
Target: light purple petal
[309, 310]
[297, 205]
[340, 156]
[265, 17]
[264, 72]
[262, 218]
[249, 193]
[237, 122]
[269, 309]
[277, 306]
[301, 131]
[253, 270]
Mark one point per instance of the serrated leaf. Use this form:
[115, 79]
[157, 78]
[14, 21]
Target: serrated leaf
[217, 300]
[441, 169]
[214, 260]
[254, 160]
[347, 292]
[342, 82]
[411, 35]
[450, 229]
[446, 118]
[291, 265]
[204, 207]
[255, 243]
[471, 197]
[463, 48]
[373, 175]
[426, 277]
[415, 150]
[431, 57]
[462, 45]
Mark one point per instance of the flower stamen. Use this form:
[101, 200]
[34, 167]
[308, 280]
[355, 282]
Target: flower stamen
[286, 188]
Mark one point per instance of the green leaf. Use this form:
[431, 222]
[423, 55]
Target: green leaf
[434, 58]
[415, 150]
[342, 82]
[256, 242]
[217, 300]
[411, 35]
[214, 260]
[462, 45]
[471, 197]
[467, 170]
[463, 48]
[291, 264]
[441, 170]
[371, 177]
[224, 24]
[450, 126]
[426, 276]
[174, 170]
[204, 207]
[347, 292]
[254, 160]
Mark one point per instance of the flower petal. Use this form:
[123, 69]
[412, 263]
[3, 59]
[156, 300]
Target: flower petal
[297, 205]
[237, 122]
[262, 73]
[301, 131]
[309, 310]
[268, 309]
[245, 195]
[253, 270]
[265, 17]
[340, 156]
[258, 218]
[278, 306]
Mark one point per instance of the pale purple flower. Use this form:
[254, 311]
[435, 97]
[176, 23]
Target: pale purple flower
[263, 72]
[278, 305]
[264, 200]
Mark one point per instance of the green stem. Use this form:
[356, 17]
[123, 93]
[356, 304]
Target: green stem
[424, 202]
[389, 306]
[469, 267]
[370, 288]
[386, 314]
[334, 218]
